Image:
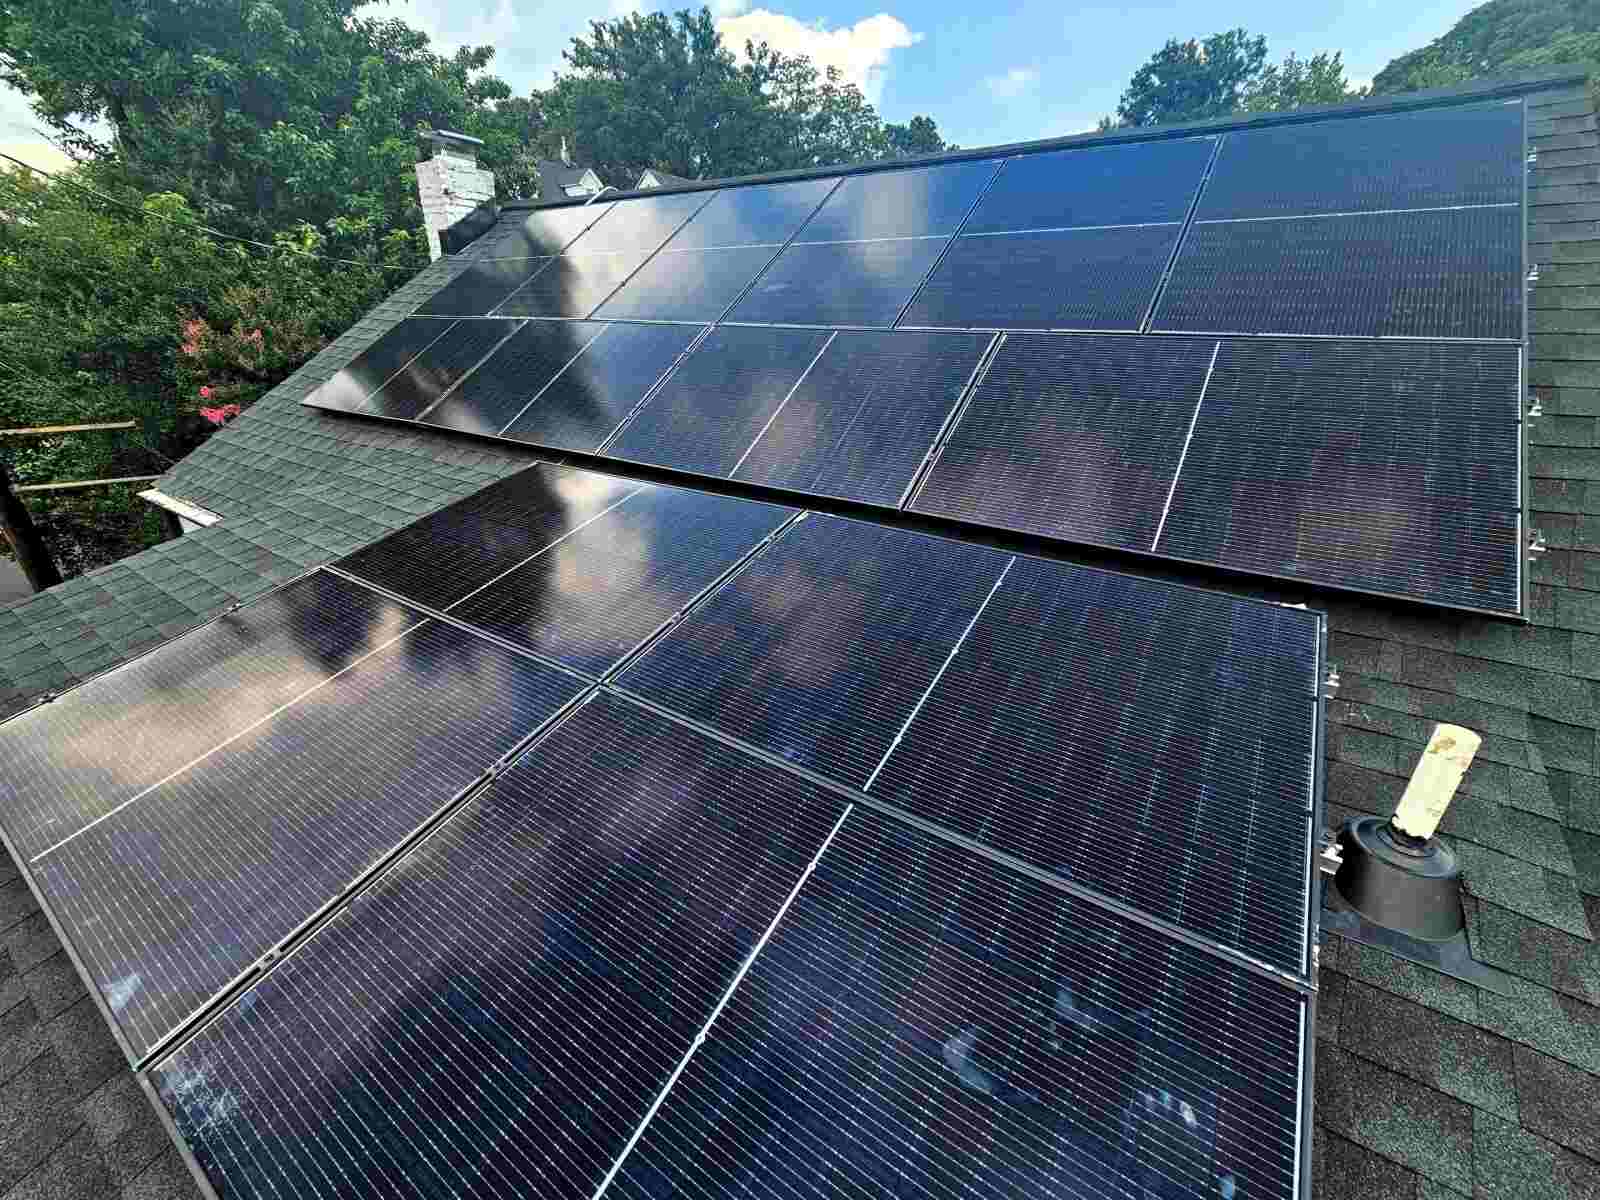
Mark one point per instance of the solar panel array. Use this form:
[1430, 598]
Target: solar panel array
[587, 822]
[1041, 328]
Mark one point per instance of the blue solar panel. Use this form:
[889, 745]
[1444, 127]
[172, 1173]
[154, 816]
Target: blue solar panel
[640, 225]
[762, 215]
[487, 400]
[688, 285]
[840, 283]
[908, 203]
[420, 384]
[374, 365]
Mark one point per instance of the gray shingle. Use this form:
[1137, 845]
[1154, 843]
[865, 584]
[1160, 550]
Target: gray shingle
[1512, 1164]
[1558, 1101]
[1394, 1116]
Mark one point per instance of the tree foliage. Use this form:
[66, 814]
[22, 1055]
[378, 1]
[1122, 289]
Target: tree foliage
[1502, 35]
[1297, 82]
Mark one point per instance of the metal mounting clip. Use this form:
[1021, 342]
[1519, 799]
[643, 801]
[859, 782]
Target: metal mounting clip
[1536, 542]
[1533, 274]
[1331, 683]
[1330, 855]
[1535, 407]
[1533, 156]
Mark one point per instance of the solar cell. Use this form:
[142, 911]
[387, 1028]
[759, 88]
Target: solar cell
[688, 285]
[368, 371]
[640, 225]
[1451, 274]
[600, 592]
[544, 231]
[1378, 466]
[487, 400]
[482, 286]
[765, 214]
[595, 394]
[1104, 185]
[889, 204]
[451, 553]
[1436, 158]
[168, 899]
[1072, 437]
[840, 283]
[1154, 743]
[861, 422]
[926, 1023]
[72, 761]
[418, 385]
[711, 408]
[820, 649]
[571, 286]
[498, 1014]
[1078, 279]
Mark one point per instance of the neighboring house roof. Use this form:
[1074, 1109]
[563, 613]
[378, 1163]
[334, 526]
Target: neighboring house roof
[1426, 1086]
[652, 178]
[558, 179]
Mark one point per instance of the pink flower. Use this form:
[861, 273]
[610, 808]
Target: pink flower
[255, 336]
[205, 393]
[221, 414]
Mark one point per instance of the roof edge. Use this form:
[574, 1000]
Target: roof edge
[189, 512]
[1493, 87]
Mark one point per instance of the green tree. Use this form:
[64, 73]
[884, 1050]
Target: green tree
[1297, 82]
[1502, 35]
[1194, 80]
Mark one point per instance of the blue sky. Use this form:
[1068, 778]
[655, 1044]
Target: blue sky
[987, 76]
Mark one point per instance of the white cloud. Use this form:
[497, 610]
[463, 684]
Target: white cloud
[860, 51]
[1011, 84]
[36, 154]
[451, 25]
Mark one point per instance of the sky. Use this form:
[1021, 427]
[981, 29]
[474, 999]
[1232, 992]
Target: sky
[987, 77]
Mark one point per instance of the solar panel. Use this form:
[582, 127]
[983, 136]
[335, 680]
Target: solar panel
[368, 371]
[600, 592]
[418, 385]
[595, 394]
[1446, 274]
[172, 896]
[488, 399]
[821, 648]
[1154, 743]
[909, 203]
[1384, 467]
[1108, 185]
[451, 553]
[506, 1005]
[927, 1023]
[1436, 158]
[709, 411]
[840, 283]
[544, 231]
[481, 287]
[1072, 437]
[861, 422]
[640, 225]
[1074, 279]
[763, 215]
[573, 285]
[73, 761]
[688, 285]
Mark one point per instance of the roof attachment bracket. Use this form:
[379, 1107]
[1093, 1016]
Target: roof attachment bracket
[1533, 155]
[1533, 274]
[1535, 407]
[1330, 684]
[1536, 543]
[1330, 855]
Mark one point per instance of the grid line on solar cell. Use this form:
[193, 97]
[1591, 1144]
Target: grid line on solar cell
[840, 283]
[513, 377]
[607, 587]
[543, 961]
[414, 389]
[696, 285]
[1449, 274]
[70, 762]
[573, 285]
[760, 214]
[918, 201]
[477, 290]
[1099, 279]
[542, 232]
[377, 363]
[1437, 157]
[642, 225]
[1385, 467]
[924, 1022]
[1071, 437]
[169, 901]
[861, 422]
[1155, 744]
[820, 647]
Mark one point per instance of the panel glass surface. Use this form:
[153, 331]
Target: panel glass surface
[1440, 158]
[820, 649]
[481, 287]
[597, 594]
[99, 745]
[688, 285]
[487, 400]
[840, 283]
[169, 899]
[638, 226]
[1155, 743]
[368, 371]
[763, 215]
[1412, 274]
[1081, 279]
[542, 232]
[421, 382]
[603, 385]
[453, 552]
[1385, 468]
[715, 404]
[863, 419]
[889, 204]
[571, 286]
[1106, 185]
[1072, 437]
[497, 1015]
[926, 1023]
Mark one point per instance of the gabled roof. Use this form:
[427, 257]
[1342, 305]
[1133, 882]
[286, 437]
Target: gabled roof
[650, 177]
[559, 180]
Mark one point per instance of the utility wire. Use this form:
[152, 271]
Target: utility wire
[195, 226]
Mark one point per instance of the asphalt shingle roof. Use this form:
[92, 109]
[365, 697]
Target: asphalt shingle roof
[1427, 1087]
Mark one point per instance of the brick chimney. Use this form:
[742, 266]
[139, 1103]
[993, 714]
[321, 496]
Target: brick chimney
[451, 183]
